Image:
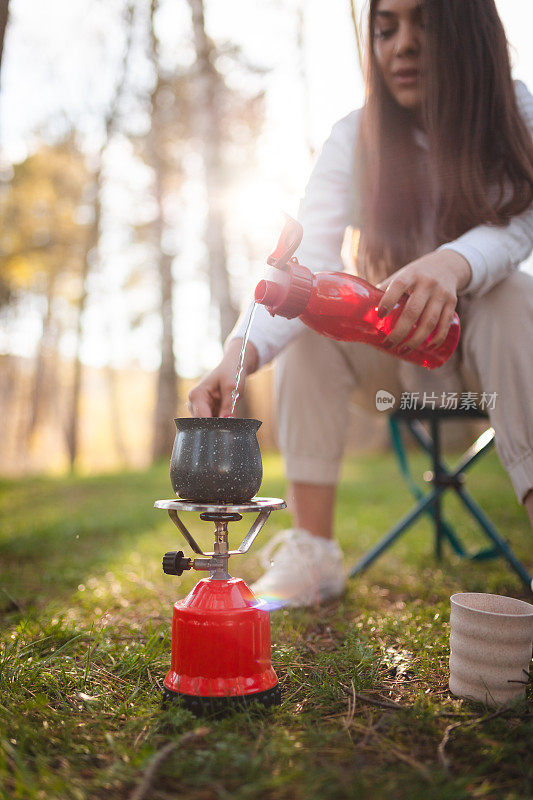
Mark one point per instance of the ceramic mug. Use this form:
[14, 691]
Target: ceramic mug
[490, 647]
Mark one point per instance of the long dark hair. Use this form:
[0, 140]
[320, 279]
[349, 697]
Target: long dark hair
[480, 150]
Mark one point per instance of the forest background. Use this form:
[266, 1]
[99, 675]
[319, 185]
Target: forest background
[147, 151]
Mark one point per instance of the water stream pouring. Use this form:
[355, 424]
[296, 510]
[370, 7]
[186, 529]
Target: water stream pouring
[220, 632]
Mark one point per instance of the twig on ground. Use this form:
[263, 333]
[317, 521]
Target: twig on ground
[371, 700]
[443, 758]
[13, 603]
[290, 696]
[386, 745]
[352, 704]
[379, 703]
[455, 714]
[141, 735]
[141, 791]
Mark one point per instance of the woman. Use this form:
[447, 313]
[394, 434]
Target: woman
[436, 174]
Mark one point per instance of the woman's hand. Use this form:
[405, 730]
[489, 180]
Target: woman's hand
[212, 396]
[432, 283]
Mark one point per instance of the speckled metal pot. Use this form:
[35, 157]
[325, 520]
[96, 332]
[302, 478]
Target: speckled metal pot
[216, 460]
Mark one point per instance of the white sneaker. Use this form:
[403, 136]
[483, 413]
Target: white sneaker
[304, 571]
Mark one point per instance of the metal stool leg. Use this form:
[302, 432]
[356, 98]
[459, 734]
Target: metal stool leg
[431, 503]
[494, 536]
[395, 533]
[437, 476]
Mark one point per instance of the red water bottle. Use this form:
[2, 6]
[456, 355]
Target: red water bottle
[340, 306]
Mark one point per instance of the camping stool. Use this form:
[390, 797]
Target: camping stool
[442, 479]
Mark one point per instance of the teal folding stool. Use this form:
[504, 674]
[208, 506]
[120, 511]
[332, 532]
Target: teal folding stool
[442, 479]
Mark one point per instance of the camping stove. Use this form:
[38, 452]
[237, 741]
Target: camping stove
[220, 631]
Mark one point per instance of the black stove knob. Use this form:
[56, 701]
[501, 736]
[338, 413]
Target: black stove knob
[174, 563]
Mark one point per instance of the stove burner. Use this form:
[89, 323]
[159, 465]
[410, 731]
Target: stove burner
[220, 631]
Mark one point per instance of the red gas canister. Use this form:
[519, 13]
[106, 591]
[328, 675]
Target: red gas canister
[221, 643]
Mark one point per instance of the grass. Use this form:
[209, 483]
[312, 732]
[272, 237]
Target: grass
[366, 713]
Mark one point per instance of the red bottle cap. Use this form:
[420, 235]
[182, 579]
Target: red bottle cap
[290, 296]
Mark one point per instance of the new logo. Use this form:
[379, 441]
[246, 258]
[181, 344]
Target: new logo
[384, 400]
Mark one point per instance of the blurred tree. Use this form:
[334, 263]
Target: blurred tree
[357, 34]
[59, 278]
[181, 126]
[227, 122]
[224, 116]
[209, 99]
[159, 149]
[304, 78]
[42, 245]
[4, 11]
[90, 255]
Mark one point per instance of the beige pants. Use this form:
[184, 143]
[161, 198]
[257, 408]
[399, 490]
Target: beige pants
[317, 378]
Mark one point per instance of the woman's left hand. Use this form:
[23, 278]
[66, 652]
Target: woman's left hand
[432, 283]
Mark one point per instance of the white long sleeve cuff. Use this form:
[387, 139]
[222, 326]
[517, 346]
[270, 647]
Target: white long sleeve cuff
[494, 252]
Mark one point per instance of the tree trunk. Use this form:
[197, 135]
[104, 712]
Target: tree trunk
[209, 127]
[72, 427]
[167, 379]
[114, 408]
[304, 79]
[4, 6]
[39, 394]
[360, 57]
[11, 400]
[93, 237]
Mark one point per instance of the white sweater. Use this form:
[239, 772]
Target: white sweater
[325, 212]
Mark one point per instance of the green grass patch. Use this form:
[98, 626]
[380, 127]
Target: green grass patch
[85, 645]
